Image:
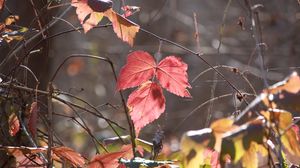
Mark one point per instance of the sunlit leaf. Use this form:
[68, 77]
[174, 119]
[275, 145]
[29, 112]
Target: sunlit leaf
[250, 159]
[124, 28]
[284, 120]
[68, 154]
[86, 15]
[146, 104]
[237, 142]
[111, 160]
[172, 75]
[140, 67]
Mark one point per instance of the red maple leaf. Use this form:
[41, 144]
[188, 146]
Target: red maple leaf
[141, 66]
[146, 104]
[172, 75]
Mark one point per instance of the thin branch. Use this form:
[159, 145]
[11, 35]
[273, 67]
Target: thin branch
[221, 30]
[231, 69]
[30, 40]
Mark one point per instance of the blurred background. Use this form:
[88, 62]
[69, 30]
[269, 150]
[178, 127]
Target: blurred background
[236, 58]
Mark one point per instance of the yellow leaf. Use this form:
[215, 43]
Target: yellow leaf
[250, 159]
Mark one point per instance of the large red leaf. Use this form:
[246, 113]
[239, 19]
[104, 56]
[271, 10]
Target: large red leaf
[146, 104]
[140, 67]
[124, 28]
[172, 75]
[69, 155]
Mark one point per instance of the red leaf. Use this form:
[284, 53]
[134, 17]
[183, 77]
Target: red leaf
[1, 4]
[130, 10]
[82, 11]
[146, 104]
[14, 124]
[140, 67]
[111, 160]
[33, 118]
[124, 28]
[69, 155]
[172, 75]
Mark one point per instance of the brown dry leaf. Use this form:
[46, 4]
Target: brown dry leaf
[14, 124]
[69, 155]
[124, 28]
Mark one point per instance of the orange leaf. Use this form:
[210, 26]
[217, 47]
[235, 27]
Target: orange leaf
[83, 11]
[124, 28]
[146, 104]
[111, 160]
[14, 124]
[69, 155]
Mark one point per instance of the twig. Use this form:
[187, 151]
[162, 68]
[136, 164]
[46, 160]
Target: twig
[197, 35]
[30, 40]
[201, 105]
[221, 31]
[50, 124]
[93, 57]
[257, 35]
[231, 69]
